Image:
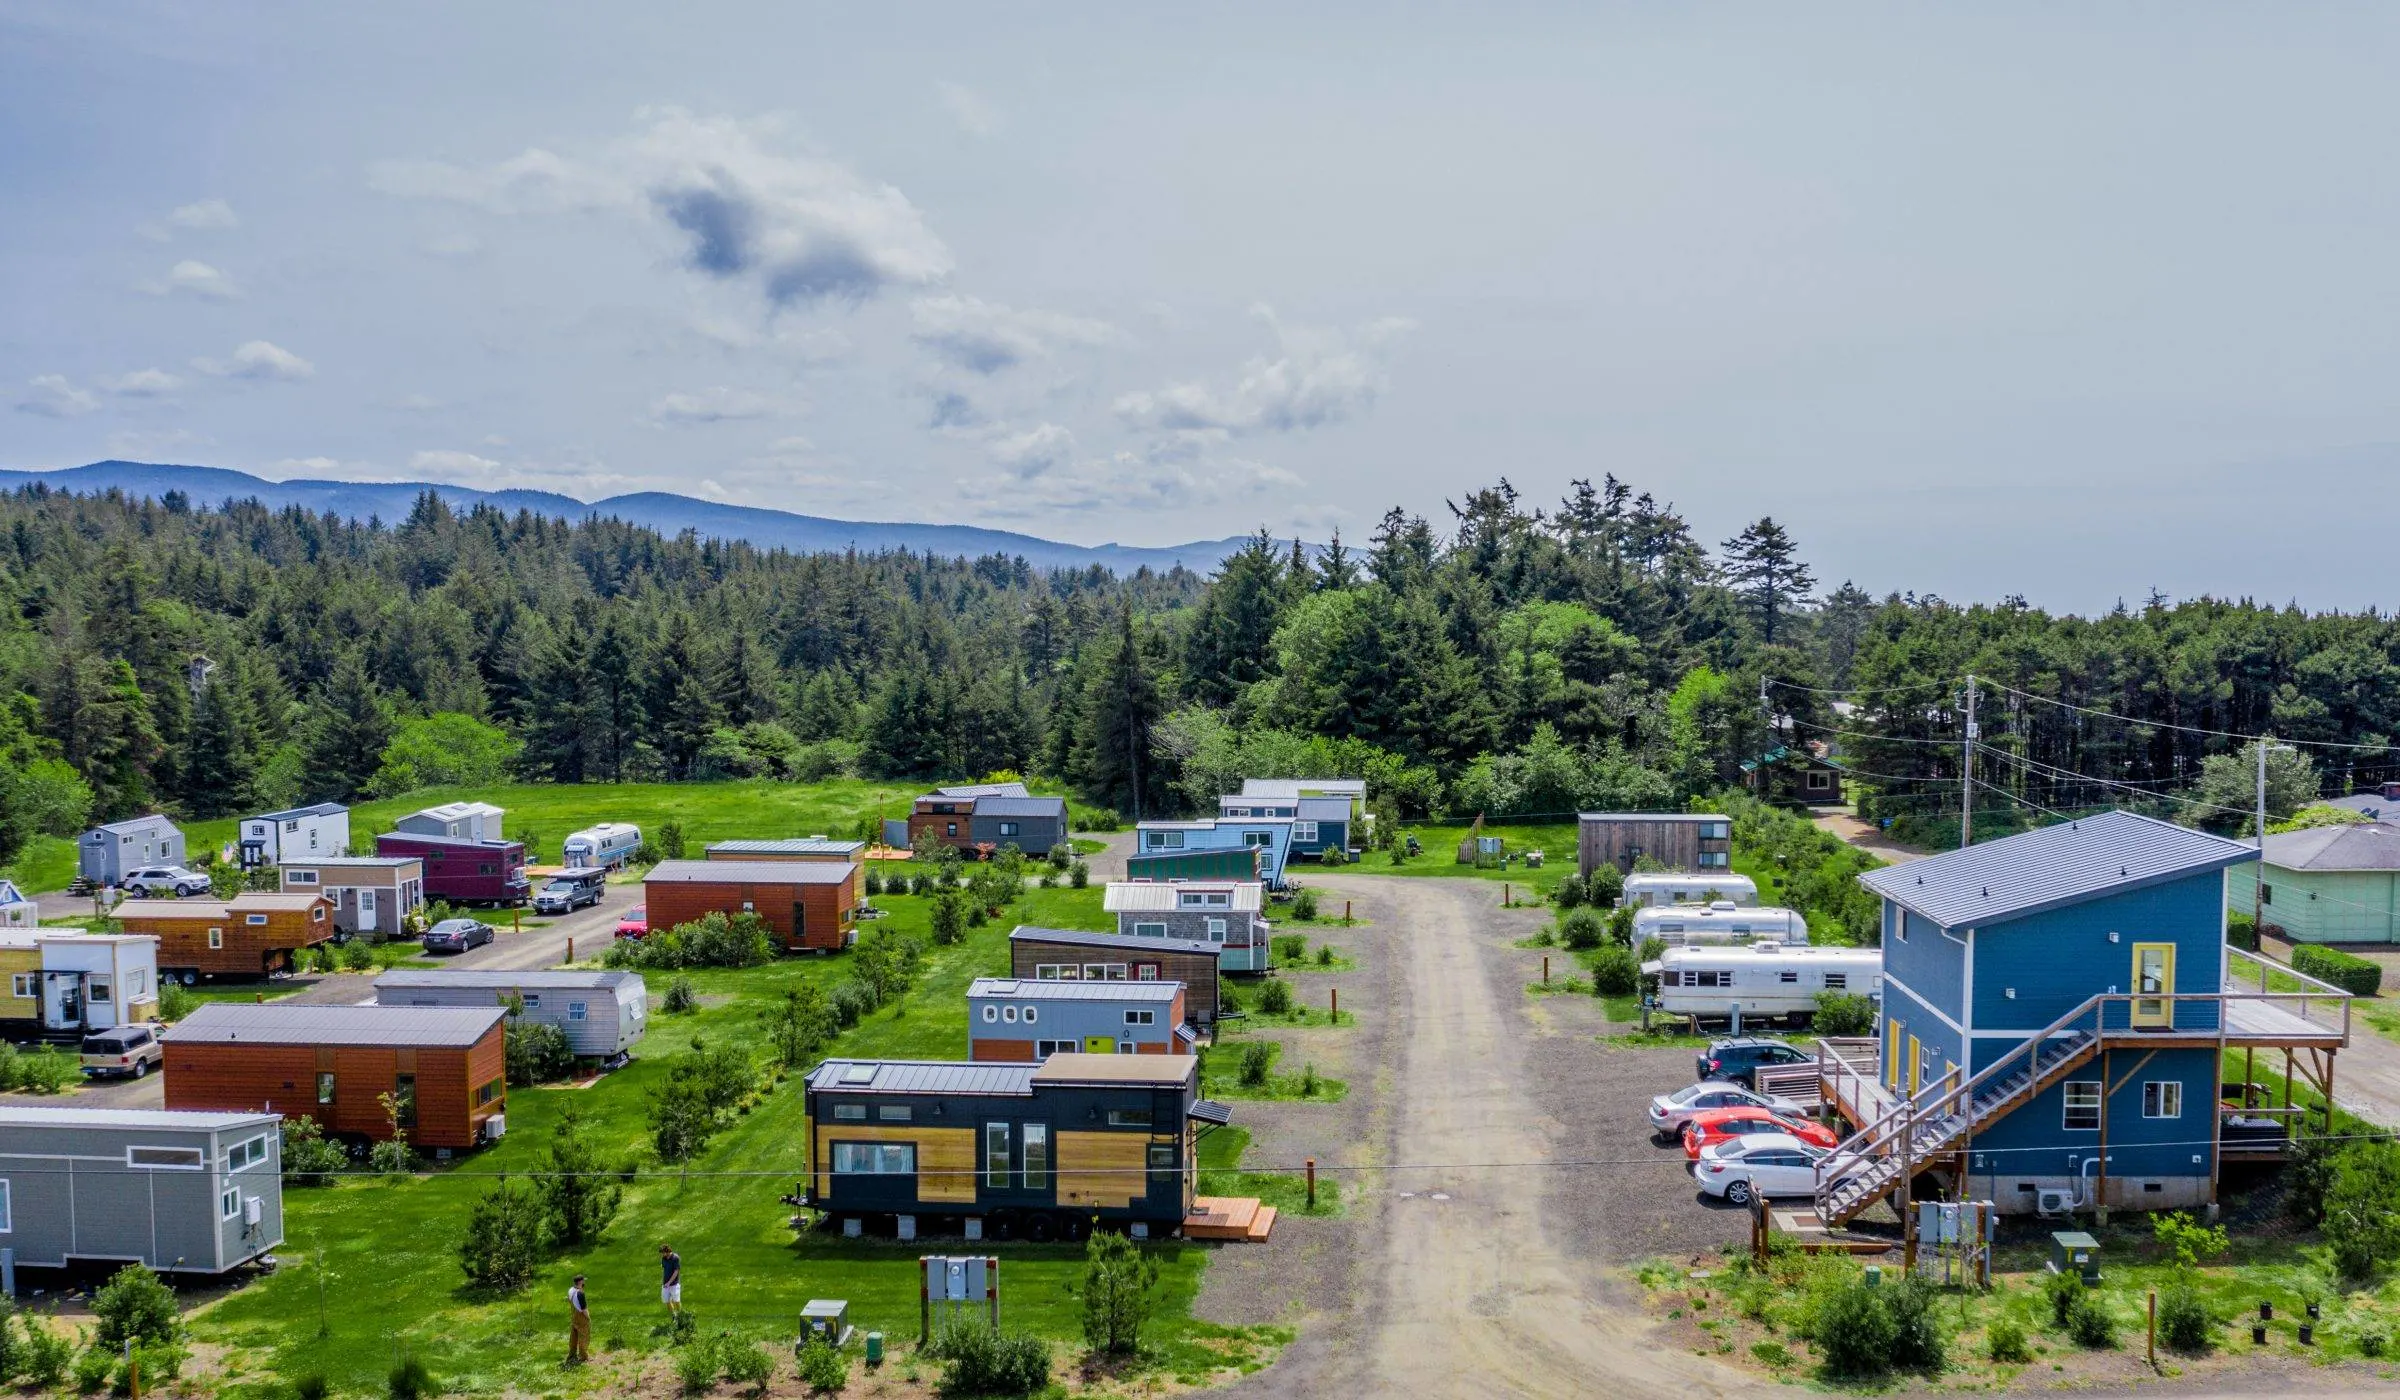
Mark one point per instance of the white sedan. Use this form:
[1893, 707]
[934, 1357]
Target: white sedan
[1758, 1165]
[1669, 1112]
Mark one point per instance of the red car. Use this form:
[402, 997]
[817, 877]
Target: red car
[1714, 1125]
[635, 924]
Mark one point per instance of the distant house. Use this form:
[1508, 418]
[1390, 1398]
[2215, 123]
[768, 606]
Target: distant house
[2377, 804]
[106, 854]
[197, 1193]
[458, 821]
[59, 982]
[1318, 823]
[272, 838]
[1014, 1020]
[1071, 955]
[851, 853]
[1227, 913]
[444, 1065]
[463, 869]
[369, 894]
[16, 911]
[2326, 884]
[980, 818]
[1271, 837]
[1801, 774]
[1675, 840]
[601, 1013]
[809, 905]
[250, 935]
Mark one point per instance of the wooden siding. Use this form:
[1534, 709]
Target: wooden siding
[1104, 1170]
[945, 1157]
[830, 912]
[249, 950]
[283, 1079]
[1673, 842]
[1196, 971]
[858, 871]
[1011, 1052]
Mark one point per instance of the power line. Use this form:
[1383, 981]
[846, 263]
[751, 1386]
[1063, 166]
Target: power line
[1851, 690]
[2186, 728]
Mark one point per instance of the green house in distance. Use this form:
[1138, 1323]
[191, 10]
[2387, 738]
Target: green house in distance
[2326, 884]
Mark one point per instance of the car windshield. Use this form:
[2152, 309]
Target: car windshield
[559, 887]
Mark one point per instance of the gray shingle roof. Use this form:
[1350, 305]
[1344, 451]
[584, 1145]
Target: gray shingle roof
[1076, 938]
[1013, 806]
[2374, 806]
[2051, 867]
[552, 980]
[795, 846]
[1160, 992]
[748, 872]
[188, 1120]
[2375, 846]
[923, 1077]
[220, 1023]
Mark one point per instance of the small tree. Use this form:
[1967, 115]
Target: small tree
[1304, 905]
[822, 1369]
[308, 1159]
[670, 840]
[1844, 1013]
[503, 1240]
[1118, 1279]
[1062, 856]
[392, 1155]
[1615, 972]
[1275, 998]
[1605, 886]
[536, 1052]
[1568, 892]
[1080, 876]
[800, 1024]
[2362, 1208]
[681, 1122]
[1257, 1055]
[949, 918]
[579, 1194]
[136, 1306]
[1582, 929]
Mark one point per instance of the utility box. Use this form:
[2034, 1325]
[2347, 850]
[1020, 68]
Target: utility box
[827, 1318]
[2074, 1252]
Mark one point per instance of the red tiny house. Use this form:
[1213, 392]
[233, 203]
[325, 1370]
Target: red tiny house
[335, 1063]
[806, 905]
[462, 871]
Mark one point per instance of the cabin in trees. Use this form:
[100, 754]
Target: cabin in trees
[980, 818]
[806, 904]
[444, 1067]
[369, 894]
[2057, 1008]
[851, 853]
[250, 935]
[1070, 955]
[1806, 775]
[195, 1193]
[1675, 840]
[274, 838]
[1227, 913]
[106, 854]
[1015, 1020]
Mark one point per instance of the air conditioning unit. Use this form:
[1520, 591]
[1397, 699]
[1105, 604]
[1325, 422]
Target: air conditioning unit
[2053, 1201]
[495, 1127]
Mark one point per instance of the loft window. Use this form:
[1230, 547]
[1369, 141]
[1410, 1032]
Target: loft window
[1009, 1014]
[1032, 1014]
[255, 920]
[247, 1153]
[1141, 1018]
[178, 1159]
[849, 1113]
[875, 1159]
[1149, 930]
[896, 1112]
[1129, 1118]
[991, 1013]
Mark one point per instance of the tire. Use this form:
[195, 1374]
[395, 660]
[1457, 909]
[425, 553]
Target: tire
[141, 1068]
[1041, 1229]
[188, 977]
[1737, 1192]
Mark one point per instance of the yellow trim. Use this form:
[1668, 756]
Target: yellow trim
[1891, 1052]
[2154, 1011]
[1916, 1065]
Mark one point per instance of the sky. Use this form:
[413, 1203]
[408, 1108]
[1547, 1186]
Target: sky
[2049, 301]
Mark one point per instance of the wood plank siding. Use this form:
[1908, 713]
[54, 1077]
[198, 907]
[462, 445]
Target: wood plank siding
[250, 936]
[817, 916]
[1029, 957]
[1675, 840]
[284, 1079]
[945, 1157]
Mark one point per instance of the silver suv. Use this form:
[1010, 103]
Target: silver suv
[171, 881]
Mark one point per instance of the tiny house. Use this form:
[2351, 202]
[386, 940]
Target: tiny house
[1319, 824]
[457, 821]
[1271, 837]
[194, 1193]
[1240, 863]
[1764, 980]
[1701, 841]
[604, 847]
[810, 905]
[274, 838]
[983, 817]
[444, 1067]
[1014, 1020]
[1222, 912]
[1662, 887]
[1069, 955]
[461, 870]
[106, 854]
[1040, 1151]
[250, 935]
[851, 853]
[62, 983]
[603, 1014]
[17, 911]
[369, 894]
[1681, 925]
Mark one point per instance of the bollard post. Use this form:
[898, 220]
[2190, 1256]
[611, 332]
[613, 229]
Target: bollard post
[1345, 913]
[2153, 1329]
[1506, 901]
[259, 997]
[1334, 1014]
[1545, 969]
[1312, 1183]
[570, 947]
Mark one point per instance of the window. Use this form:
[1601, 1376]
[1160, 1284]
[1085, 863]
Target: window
[1037, 1156]
[1716, 831]
[995, 1156]
[180, 1159]
[299, 877]
[324, 1086]
[1145, 972]
[1044, 1049]
[1149, 930]
[6, 1224]
[404, 1096]
[1258, 840]
[137, 984]
[1129, 1118]
[1141, 1018]
[1787, 977]
[1707, 979]
[21, 985]
[949, 828]
[487, 1093]
[1836, 981]
[1009, 1014]
[229, 1205]
[850, 1113]
[531, 999]
[1165, 840]
[255, 920]
[247, 1153]
[216, 938]
[1717, 859]
[575, 1011]
[992, 1013]
[1008, 828]
[1032, 1014]
[2083, 1105]
[875, 1159]
[1053, 972]
[1104, 972]
[2266, 893]
[2162, 1098]
[1216, 930]
[1206, 899]
[1304, 831]
[1162, 1157]
[896, 1112]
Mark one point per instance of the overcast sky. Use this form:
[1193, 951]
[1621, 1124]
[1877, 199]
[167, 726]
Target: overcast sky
[2050, 300]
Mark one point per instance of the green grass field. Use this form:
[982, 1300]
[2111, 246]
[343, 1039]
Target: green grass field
[1556, 842]
[391, 1276]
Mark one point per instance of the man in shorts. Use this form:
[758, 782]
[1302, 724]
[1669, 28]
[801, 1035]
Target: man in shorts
[670, 1278]
[579, 1327]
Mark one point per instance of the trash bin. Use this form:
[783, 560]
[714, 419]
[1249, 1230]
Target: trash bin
[874, 1348]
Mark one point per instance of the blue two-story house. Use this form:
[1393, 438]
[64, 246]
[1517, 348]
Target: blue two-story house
[1271, 837]
[2056, 1009]
[1318, 823]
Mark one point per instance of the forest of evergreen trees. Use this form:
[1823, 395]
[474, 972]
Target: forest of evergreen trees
[1515, 660]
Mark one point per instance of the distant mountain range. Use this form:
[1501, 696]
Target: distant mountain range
[667, 513]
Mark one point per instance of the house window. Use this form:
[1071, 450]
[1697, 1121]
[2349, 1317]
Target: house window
[1149, 930]
[1162, 1157]
[229, 1205]
[2266, 893]
[7, 1225]
[874, 1159]
[1141, 1018]
[992, 1013]
[21, 985]
[1044, 1049]
[949, 828]
[1836, 981]
[1129, 1118]
[995, 1156]
[1104, 972]
[324, 1086]
[849, 1113]
[1714, 859]
[532, 1000]
[1165, 840]
[1009, 1014]
[1037, 1156]
[1008, 828]
[2162, 1098]
[1258, 840]
[299, 877]
[1216, 930]
[216, 938]
[488, 1093]
[575, 1010]
[1820, 782]
[255, 920]
[404, 1098]
[316, 915]
[2083, 1105]
[1145, 972]
[1304, 831]
[896, 1112]
[247, 1153]
[1716, 831]
[1032, 1014]
[1054, 972]
[177, 1159]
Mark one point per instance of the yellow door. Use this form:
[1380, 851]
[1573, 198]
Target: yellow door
[2153, 984]
[1916, 1063]
[1891, 1052]
[1099, 1045]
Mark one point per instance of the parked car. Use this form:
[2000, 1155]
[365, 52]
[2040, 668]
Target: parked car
[635, 923]
[571, 891]
[1669, 1112]
[171, 881]
[1715, 1125]
[1759, 1165]
[1736, 1061]
[122, 1050]
[457, 935]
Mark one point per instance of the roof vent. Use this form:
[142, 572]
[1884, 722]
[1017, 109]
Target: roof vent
[1987, 891]
[2123, 873]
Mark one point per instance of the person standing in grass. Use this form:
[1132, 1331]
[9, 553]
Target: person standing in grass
[579, 1327]
[670, 1279]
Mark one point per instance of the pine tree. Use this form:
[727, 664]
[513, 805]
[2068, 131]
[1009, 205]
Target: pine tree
[681, 707]
[1229, 644]
[616, 696]
[1763, 565]
[347, 734]
[1337, 569]
[560, 726]
[220, 761]
[1121, 709]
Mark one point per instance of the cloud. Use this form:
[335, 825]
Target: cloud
[206, 214]
[450, 465]
[1044, 472]
[974, 115]
[743, 201]
[583, 480]
[984, 337]
[318, 468]
[1035, 451]
[1318, 378]
[143, 384]
[952, 410]
[713, 405]
[192, 277]
[55, 396]
[257, 359]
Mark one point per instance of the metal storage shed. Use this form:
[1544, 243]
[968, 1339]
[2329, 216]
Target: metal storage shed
[181, 1192]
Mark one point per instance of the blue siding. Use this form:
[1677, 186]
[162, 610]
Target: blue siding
[1328, 834]
[1233, 833]
[1932, 963]
[1938, 1046]
[2035, 1141]
[2058, 959]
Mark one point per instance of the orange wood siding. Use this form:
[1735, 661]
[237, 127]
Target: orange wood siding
[1012, 1052]
[283, 1079]
[831, 911]
[249, 950]
[858, 871]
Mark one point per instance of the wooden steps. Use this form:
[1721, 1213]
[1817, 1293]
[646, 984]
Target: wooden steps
[1229, 1218]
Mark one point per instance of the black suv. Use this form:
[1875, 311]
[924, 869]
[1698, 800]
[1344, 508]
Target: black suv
[1737, 1060]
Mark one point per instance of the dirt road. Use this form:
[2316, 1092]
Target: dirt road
[1866, 836]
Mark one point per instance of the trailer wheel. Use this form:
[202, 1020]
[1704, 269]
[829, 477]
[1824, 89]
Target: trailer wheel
[1040, 1229]
[1074, 1229]
[187, 977]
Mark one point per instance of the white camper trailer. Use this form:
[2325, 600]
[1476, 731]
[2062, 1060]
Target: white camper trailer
[1763, 980]
[1692, 925]
[1686, 887]
[603, 847]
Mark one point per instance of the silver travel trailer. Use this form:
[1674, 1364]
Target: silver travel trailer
[1686, 887]
[1763, 980]
[1681, 925]
[603, 847]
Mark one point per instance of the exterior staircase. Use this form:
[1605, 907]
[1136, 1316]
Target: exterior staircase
[1229, 1218]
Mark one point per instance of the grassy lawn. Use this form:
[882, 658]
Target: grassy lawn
[1556, 841]
[1221, 1077]
[389, 1248]
[1221, 1175]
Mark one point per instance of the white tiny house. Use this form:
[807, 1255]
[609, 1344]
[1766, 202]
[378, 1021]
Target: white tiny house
[303, 833]
[602, 1013]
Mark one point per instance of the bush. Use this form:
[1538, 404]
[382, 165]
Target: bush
[1844, 1013]
[1604, 886]
[134, 1305]
[311, 1386]
[579, 1196]
[1568, 893]
[2241, 930]
[157, 1364]
[823, 1369]
[12, 1352]
[1275, 998]
[308, 1159]
[1620, 930]
[1324, 955]
[1118, 1278]
[409, 1379]
[503, 1241]
[2183, 1318]
[48, 1070]
[1290, 947]
[2362, 1208]
[874, 882]
[1304, 905]
[1061, 857]
[670, 840]
[92, 1368]
[1582, 929]
[1257, 1055]
[2373, 1339]
[175, 1001]
[1079, 877]
[747, 1363]
[979, 1361]
[1334, 855]
[537, 1053]
[392, 1157]
[2090, 1323]
[1853, 1331]
[48, 1355]
[2006, 1342]
[1917, 1340]
[1615, 972]
[2348, 971]
[357, 955]
[696, 1365]
[680, 998]
[949, 918]
[2062, 1291]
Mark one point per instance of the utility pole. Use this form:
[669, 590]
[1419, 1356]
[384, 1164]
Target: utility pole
[2265, 741]
[1966, 772]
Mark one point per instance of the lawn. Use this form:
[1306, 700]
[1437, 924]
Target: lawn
[1555, 840]
[389, 1248]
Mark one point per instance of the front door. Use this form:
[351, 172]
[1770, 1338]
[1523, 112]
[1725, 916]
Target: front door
[2154, 984]
[62, 1001]
[1098, 1045]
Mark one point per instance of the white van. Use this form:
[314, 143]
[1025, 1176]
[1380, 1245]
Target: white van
[1765, 979]
[1686, 887]
[602, 847]
[1724, 922]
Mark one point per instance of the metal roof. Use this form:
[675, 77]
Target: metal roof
[2051, 867]
[1012, 806]
[452, 811]
[2374, 806]
[980, 790]
[922, 1077]
[132, 824]
[1152, 897]
[748, 872]
[2373, 846]
[221, 1023]
[1212, 823]
[1077, 939]
[351, 862]
[795, 846]
[190, 1120]
[1075, 1067]
[321, 809]
[249, 902]
[1304, 787]
[435, 838]
[1033, 989]
[501, 979]
[1652, 817]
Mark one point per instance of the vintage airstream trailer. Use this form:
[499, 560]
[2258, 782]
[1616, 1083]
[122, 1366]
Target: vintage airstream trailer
[1686, 887]
[1762, 980]
[603, 847]
[1692, 925]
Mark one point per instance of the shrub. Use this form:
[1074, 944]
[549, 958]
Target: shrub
[1582, 929]
[2362, 1208]
[850, 1001]
[1308, 1080]
[1853, 1330]
[2241, 930]
[1290, 947]
[392, 1157]
[2183, 1318]
[156, 1363]
[1568, 893]
[2348, 971]
[503, 1241]
[48, 1355]
[1324, 955]
[1334, 855]
[1604, 886]
[949, 918]
[2006, 1342]
[357, 956]
[1257, 1055]
[747, 1363]
[976, 918]
[308, 1159]
[92, 1368]
[579, 1197]
[12, 1352]
[311, 1386]
[1275, 998]
[680, 998]
[670, 840]
[1917, 1340]
[874, 881]
[1304, 905]
[696, 1365]
[2062, 1291]
[175, 1001]
[1844, 1013]
[1061, 856]
[1118, 1277]
[979, 1361]
[537, 1053]
[134, 1305]
[2373, 1340]
[823, 1369]
[48, 1070]
[2090, 1323]
[1079, 877]
[409, 1379]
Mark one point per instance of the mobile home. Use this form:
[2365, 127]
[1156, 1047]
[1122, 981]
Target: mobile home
[462, 870]
[1681, 925]
[1039, 1151]
[64, 983]
[250, 935]
[603, 1014]
[1764, 980]
[273, 838]
[983, 817]
[444, 1065]
[1319, 823]
[369, 894]
[1014, 1020]
[607, 846]
[1662, 887]
[194, 1193]
[106, 854]
[1223, 912]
